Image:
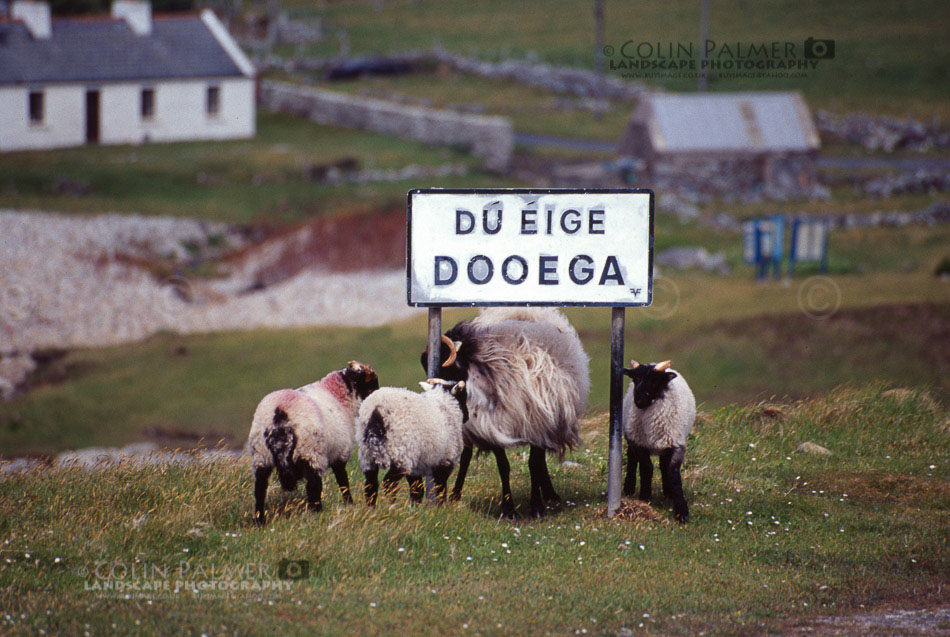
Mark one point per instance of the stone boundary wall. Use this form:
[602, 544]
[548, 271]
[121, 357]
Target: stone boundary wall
[488, 138]
[564, 80]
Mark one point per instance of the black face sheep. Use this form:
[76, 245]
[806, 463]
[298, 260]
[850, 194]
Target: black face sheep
[658, 414]
[411, 435]
[302, 432]
[528, 381]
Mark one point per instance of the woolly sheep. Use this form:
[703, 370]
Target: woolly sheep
[302, 432]
[411, 435]
[527, 382]
[658, 414]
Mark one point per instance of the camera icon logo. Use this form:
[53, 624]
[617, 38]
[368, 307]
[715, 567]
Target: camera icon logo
[819, 49]
[293, 569]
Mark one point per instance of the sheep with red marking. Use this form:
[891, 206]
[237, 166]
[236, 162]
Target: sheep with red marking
[303, 432]
[658, 413]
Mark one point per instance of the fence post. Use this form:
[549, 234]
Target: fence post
[615, 451]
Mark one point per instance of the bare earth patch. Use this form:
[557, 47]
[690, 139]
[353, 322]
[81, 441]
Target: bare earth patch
[70, 282]
[893, 622]
[880, 488]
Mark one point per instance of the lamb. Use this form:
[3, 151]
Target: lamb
[411, 435]
[658, 414]
[302, 432]
[528, 381]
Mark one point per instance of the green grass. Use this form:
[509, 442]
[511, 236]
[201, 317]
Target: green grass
[164, 178]
[889, 56]
[734, 339]
[776, 536]
[530, 110]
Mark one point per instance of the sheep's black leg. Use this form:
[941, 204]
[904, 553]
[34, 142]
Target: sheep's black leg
[417, 488]
[440, 475]
[665, 457]
[391, 483]
[371, 488]
[261, 476]
[630, 483]
[672, 476]
[463, 470]
[547, 488]
[314, 489]
[342, 480]
[646, 472]
[535, 464]
[504, 472]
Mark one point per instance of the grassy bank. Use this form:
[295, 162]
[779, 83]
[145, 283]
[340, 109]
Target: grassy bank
[776, 536]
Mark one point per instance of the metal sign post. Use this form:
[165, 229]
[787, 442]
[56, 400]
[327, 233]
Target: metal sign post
[435, 334]
[615, 451]
[432, 370]
[534, 247]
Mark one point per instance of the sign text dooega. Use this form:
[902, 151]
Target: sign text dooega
[530, 247]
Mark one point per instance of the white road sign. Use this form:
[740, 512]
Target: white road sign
[530, 247]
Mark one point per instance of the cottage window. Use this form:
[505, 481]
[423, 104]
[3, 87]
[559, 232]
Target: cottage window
[36, 107]
[148, 103]
[213, 102]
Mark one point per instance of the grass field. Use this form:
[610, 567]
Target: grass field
[889, 58]
[530, 110]
[261, 179]
[857, 362]
[735, 340]
[777, 536]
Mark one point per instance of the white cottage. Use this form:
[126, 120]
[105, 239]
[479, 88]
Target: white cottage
[127, 78]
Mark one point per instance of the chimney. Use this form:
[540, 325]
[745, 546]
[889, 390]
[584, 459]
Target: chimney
[136, 13]
[35, 15]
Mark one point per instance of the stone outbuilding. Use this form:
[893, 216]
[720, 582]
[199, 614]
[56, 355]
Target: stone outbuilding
[723, 142]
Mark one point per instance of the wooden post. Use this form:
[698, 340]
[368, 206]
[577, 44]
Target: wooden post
[432, 370]
[615, 451]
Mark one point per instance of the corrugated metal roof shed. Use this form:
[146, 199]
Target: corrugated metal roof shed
[738, 122]
[102, 49]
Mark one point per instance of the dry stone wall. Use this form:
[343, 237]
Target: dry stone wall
[488, 138]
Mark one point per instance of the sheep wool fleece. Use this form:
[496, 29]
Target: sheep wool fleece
[422, 431]
[322, 415]
[664, 424]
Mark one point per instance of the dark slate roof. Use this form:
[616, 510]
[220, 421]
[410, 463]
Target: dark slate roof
[103, 49]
